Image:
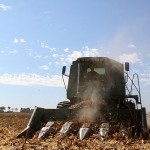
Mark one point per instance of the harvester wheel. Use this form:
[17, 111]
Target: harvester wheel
[64, 104]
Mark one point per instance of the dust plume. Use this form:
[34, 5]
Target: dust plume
[94, 101]
[98, 94]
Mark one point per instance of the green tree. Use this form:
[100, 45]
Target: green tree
[8, 108]
[2, 108]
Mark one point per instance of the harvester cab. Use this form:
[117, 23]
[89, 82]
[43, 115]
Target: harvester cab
[99, 93]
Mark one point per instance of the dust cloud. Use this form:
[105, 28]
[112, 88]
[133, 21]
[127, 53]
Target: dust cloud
[94, 102]
[97, 95]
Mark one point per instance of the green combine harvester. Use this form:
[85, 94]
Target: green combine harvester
[100, 97]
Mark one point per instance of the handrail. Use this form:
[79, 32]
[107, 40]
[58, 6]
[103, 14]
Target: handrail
[133, 84]
[135, 74]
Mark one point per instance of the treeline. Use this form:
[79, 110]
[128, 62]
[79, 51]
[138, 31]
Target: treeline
[9, 109]
[26, 110]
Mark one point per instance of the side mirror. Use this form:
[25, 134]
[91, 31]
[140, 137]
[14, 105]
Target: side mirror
[63, 70]
[127, 66]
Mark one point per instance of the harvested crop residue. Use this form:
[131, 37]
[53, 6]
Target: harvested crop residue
[12, 123]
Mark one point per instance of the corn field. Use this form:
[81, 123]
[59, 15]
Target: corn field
[12, 123]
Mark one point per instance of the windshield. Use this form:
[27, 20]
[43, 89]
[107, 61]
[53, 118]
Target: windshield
[100, 71]
[91, 77]
[86, 68]
[91, 72]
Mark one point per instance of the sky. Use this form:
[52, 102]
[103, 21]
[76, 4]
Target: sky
[37, 38]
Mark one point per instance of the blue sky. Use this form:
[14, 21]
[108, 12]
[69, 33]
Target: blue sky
[38, 37]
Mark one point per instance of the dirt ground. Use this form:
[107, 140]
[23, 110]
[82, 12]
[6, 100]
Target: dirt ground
[12, 123]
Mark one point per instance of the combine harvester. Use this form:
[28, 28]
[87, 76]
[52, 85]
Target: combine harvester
[100, 101]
